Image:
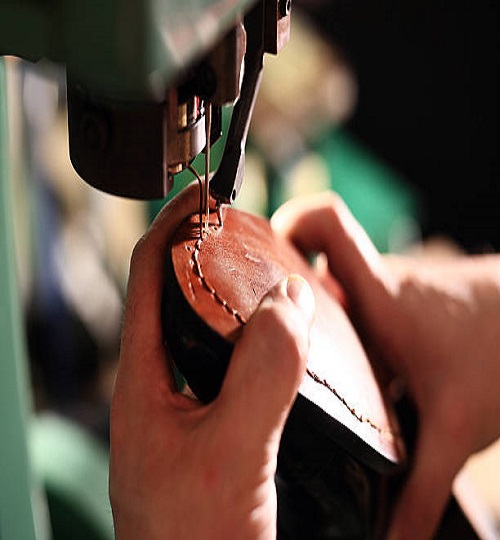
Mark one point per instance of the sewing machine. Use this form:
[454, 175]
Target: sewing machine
[140, 79]
[146, 81]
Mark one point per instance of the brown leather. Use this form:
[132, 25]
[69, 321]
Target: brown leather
[223, 279]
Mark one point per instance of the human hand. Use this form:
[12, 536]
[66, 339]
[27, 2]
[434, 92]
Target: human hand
[436, 323]
[181, 469]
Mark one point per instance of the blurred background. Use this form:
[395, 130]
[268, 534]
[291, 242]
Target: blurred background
[391, 104]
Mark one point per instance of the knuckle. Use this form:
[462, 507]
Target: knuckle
[334, 205]
[332, 198]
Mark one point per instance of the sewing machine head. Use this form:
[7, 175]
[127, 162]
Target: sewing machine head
[134, 148]
[141, 76]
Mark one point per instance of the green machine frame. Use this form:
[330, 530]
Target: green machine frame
[17, 487]
[121, 49]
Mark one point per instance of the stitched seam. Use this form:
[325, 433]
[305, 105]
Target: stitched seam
[314, 376]
[359, 417]
[217, 297]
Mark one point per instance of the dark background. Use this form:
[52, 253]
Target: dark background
[428, 102]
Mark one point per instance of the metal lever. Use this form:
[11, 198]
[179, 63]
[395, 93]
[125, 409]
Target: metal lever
[226, 183]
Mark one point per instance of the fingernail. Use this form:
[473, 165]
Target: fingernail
[301, 294]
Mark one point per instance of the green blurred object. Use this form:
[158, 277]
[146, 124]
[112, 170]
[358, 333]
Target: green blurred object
[73, 468]
[122, 49]
[386, 205]
[17, 487]
[383, 202]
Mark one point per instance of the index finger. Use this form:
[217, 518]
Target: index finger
[323, 223]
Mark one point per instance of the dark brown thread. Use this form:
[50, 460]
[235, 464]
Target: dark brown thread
[360, 417]
[315, 377]
[197, 265]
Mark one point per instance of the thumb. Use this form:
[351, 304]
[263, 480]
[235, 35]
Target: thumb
[428, 488]
[268, 363]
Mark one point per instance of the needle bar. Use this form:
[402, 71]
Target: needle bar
[208, 129]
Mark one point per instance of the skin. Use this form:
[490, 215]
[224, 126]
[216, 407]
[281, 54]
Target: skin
[435, 324]
[180, 469]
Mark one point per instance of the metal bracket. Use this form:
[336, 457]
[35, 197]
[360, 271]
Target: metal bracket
[268, 30]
